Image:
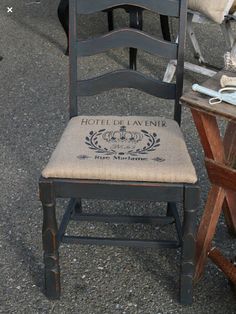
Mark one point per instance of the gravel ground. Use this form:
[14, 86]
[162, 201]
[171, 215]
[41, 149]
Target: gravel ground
[34, 101]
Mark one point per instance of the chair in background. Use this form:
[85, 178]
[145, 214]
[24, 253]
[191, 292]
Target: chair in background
[121, 157]
[224, 19]
[136, 21]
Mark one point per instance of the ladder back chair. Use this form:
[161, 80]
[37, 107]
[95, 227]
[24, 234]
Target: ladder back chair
[121, 157]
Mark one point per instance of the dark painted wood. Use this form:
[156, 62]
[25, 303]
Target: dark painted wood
[78, 206]
[120, 242]
[172, 211]
[115, 190]
[165, 27]
[135, 21]
[66, 218]
[120, 219]
[191, 203]
[53, 188]
[126, 79]
[180, 59]
[63, 15]
[50, 243]
[110, 20]
[127, 37]
[73, 59]
[167, 7]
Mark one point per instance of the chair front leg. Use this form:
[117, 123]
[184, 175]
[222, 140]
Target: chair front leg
[191, 201]
[50, 242]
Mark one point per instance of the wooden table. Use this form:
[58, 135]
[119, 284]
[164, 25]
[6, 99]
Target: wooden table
[220, 161]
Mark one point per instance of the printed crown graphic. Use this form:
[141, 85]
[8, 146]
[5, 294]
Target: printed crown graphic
[122, 136]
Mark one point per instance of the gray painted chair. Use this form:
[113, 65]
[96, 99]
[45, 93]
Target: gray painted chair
[126, 158]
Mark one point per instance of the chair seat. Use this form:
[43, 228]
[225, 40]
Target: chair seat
[122, 148]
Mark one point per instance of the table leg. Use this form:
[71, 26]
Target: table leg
[207, 227]
[229, 210]
[226, 266]
[229, 207]
[222, 152]
[209, 134]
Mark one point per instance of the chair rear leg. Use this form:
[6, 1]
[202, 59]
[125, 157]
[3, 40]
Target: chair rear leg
[110, 20]
[168, 210]
[50, 242]
[78, 206]
[136, 21]
[191, 201]
[63, 15]
[165, 29]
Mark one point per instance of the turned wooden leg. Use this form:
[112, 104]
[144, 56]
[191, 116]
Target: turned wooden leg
[50, 243]
[191, 203]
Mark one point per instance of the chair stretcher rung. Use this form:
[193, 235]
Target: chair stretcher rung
[120, 242]
[160, 220]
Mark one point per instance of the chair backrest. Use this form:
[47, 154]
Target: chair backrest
[127, 37]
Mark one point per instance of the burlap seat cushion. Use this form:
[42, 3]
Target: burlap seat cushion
[122, 148]
[213, 9]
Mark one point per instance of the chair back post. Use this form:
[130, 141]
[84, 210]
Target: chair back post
[180, 59]
[73, 109]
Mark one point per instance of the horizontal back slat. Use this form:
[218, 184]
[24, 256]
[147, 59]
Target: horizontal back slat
[127, 37]
[165, 7]
[126, 79]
